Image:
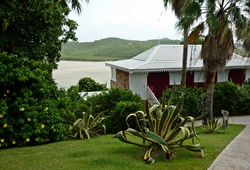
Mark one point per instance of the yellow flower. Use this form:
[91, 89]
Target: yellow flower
[29, 119]
[70, 127]
[2, 140]
[42, 126]
[21, 109]
[13, 142]
[5, 125]
[5, 95]
[46, 109]
[27, 139]
[52, 127]
[7, 91]
[1, 115]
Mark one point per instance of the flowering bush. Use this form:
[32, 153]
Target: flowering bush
[30, 112]
[87, 84]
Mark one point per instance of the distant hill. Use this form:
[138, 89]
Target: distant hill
[109, 49]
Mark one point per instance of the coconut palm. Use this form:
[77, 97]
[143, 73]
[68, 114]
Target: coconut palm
[184, 24]
[223, 18]
[75, 4]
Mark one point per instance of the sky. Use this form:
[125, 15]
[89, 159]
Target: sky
[127, 19]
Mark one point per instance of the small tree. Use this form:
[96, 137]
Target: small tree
[35, 29]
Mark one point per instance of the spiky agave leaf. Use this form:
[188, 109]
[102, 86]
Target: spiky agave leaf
[163, 126]
[89, 124]
[195, 148]
[122, 137]
[213, 125]
[147, 157]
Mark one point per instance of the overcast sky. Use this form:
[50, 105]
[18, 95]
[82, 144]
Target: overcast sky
[126, 19]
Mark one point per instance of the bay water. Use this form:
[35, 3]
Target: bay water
[70, 72]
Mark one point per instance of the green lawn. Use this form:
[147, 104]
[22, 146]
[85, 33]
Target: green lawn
[107, 153]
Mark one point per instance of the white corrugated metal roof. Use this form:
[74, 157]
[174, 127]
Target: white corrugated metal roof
[169, 58]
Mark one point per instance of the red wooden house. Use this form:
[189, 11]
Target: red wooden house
[161, 66]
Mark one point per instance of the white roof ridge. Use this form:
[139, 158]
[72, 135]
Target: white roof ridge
[152, 54]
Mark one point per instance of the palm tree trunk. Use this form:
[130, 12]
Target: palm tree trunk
[210, 80]
[184, 58]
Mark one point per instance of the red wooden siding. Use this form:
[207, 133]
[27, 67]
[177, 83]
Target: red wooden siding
[237, 76]
[157, 82]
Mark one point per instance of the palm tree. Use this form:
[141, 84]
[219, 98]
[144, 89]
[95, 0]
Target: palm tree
[184, 24]
[223, 19]
[75, 4]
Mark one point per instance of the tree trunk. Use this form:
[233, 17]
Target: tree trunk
[184, 58]
[210, 79]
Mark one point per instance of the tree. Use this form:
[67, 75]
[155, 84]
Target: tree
[35, 29]
[222, 20]
[75, 4]
[184, 24]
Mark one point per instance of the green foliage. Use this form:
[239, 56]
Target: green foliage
[213, 125]
[35, 29]
[108, 49]
[89, 125]
[193, 104]
[29, 104]
[226, 97]
[117, 116]
[162, 127]
[243, 106]
[116, 104]
[247, 82]
[71, 103]
[87, 84]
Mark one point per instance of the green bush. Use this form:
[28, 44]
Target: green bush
[247, 82]
[116, 104]
[226, 97]
[30, 111]
[194, 99]
[88, 84]
[72, 103]
[243, 105]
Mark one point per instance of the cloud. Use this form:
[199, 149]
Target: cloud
[127, 19]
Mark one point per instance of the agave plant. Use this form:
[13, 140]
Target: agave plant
[89, 125]
[162, 126]
[213, 125]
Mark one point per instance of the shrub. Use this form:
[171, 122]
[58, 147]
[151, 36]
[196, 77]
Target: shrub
[243, 105]
[29, 103]
[247, 82]
[116, 104]
[194, 99]
[87, 84]
[226, 97]
[72, 103]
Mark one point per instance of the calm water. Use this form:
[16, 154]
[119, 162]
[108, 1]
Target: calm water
[70, 72]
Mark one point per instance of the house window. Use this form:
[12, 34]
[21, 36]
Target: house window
[222, 76]
[113, 74]
[175, 78]
[199, 77]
